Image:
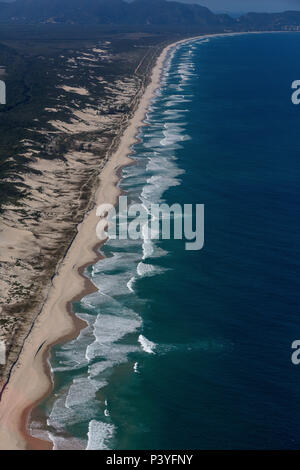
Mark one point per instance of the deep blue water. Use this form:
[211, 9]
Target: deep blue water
[212, 369]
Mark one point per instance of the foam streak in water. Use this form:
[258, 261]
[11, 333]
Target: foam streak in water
[147, 345]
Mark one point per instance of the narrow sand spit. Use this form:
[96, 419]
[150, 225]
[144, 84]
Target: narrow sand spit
[30, 379]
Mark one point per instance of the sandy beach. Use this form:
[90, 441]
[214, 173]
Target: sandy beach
[30, 379]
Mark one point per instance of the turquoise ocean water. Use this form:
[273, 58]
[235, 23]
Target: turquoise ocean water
[192, 349]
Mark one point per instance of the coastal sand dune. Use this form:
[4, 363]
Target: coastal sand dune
[55, 173]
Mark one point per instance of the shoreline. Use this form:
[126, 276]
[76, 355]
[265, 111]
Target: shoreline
[31, 378]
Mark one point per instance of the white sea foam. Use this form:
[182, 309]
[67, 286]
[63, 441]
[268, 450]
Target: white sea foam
[108, 330]
[60, 414]
[147, 345]
[85, 301]
[171, 138]
[144, 269]
[148, 248]
[166, 166]
[113, 276]
[157, 185]
[71, 356]
[130, 284]
[99, 434]
[97, 368]
[82, 407]
[81, 391]
[174, 113]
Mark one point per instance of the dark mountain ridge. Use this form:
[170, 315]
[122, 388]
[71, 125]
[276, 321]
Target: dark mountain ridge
[108, 12]
[139, 12]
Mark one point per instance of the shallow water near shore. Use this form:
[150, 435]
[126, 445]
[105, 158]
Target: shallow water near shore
[192, 349]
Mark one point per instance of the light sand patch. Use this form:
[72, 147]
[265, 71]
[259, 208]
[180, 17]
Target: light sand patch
[29, 153]
[90, 59]
[16, 243]
[79, 91]
[84, 120]
[99, 51]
